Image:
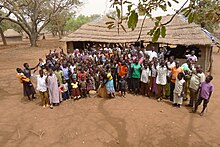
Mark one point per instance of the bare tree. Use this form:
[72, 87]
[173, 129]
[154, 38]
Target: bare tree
[33, 15]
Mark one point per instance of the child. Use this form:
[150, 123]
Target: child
[75, 89]
[179, 90]
[65, 91]
[74, 74]
[89, 84]
[145, 74]
[122, 86]
[206, 88]
[42, 88]
[83, 87]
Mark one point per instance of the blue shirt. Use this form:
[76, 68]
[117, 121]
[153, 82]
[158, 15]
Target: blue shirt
[65, 73]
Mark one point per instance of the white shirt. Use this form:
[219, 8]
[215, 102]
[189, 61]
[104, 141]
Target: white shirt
[170, 65]
[151, 54]
[72, 67]
[161, 75]
[196, 79]
[145, 75]
[65, 87]
[41, 83]
[179, 86]
[192, 57]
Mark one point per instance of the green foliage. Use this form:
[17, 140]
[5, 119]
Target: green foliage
[199, 11]
[163, 31]
[34, 15]
[132, 20]
[73, 23]
[204, 12]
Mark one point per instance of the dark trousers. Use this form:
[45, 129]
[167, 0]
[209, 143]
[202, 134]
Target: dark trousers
[69, 86]
[199, 101]
[172, 86]
[114, 81]
[193, 97]
[65, 95]
[83, 92]
[135, 85]
[129, 81]
[144, 88]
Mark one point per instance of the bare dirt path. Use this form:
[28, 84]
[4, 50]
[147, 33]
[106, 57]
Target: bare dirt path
[134, 121]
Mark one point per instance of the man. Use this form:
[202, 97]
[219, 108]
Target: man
[161, 80]
[197, 78]
[151, 53]
[175, 70]
[42, 88]
[192, 56]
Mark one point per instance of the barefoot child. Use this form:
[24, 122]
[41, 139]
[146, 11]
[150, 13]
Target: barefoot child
[75, 89]
[83, 87]
[179, 90]
[206, 88]
[122, 86]
[65, 91]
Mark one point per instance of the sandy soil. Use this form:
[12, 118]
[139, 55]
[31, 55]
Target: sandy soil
[134, 121]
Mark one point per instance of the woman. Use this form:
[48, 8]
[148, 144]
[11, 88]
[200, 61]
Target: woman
[27, 85]
[109, 84]
[53, 88]
[107, 87]
[136, 75]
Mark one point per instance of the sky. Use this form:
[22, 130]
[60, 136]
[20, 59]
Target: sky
[103, 6]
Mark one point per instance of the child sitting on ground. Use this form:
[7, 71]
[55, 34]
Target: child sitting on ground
[206, 88]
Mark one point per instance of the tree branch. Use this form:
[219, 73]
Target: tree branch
[139, 36]
[177, 12]
[18, 23]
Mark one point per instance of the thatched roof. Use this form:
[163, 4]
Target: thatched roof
[11, 33]
[178, 32]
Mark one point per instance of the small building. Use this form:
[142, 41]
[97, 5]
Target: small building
[12, 36]
[180, 37]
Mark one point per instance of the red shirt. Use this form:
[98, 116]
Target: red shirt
[80, 76]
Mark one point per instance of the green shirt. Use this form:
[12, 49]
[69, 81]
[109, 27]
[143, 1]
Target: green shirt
[136, 68]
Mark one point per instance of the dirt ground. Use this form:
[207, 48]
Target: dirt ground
[134, 121]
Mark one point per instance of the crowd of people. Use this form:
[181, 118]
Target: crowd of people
[64, 76]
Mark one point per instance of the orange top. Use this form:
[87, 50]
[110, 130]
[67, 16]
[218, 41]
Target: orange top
[123, 69]
[174, 73]
[22, 78]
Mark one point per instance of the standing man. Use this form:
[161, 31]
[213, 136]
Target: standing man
[161, 80]
[197, 78]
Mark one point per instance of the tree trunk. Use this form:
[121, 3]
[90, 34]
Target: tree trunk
[60, 36]
[53, 33]
[62, 32]
[33, 39]
[3, 37]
